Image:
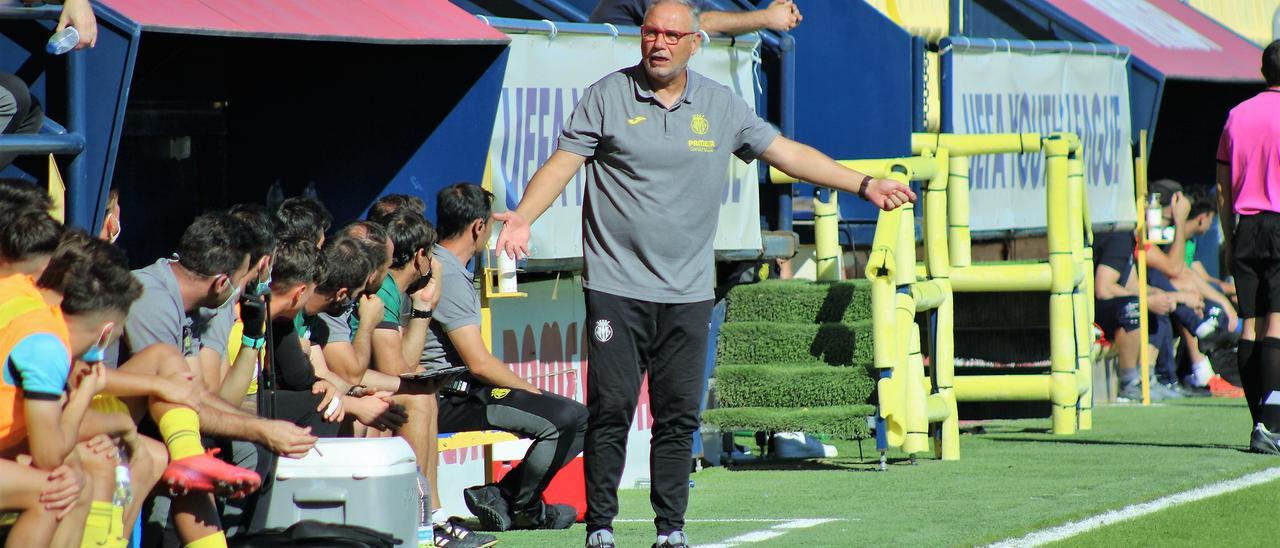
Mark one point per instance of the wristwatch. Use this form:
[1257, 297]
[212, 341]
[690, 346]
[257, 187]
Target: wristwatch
[417, 314]
[862, 187]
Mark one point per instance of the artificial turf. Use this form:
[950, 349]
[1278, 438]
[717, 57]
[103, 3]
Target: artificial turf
[1013, 478]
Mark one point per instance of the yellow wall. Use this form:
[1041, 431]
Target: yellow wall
[927, 18]
[1249, 18]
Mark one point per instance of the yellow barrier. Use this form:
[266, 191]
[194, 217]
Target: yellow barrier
[826, 235]
[976, 144]
[1081, 298]
[1002, 278]
[1067, 276]
[921, 167]
[908, 400]
[958, 212]
[905, 403]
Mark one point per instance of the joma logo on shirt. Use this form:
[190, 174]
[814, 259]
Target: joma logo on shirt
[702, 145]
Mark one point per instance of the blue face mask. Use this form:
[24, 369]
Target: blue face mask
[97, 352]
[94, 354]
[262, 287]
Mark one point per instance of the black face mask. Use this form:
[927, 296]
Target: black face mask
[339, 308]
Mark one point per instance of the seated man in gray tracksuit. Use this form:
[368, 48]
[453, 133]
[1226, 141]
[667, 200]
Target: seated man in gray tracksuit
[490, 396]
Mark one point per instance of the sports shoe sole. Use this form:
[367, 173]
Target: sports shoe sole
[181, 479]
[473, 539]
[489, 519]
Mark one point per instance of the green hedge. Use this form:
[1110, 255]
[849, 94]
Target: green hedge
[798, 301]
[764, 342]
[792, 385]
[845, 422]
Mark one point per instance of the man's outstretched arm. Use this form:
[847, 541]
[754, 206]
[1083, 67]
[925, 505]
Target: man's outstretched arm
[547, 184]
[808, 164]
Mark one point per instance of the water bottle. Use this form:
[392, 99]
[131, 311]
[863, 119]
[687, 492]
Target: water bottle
[63, 41]
[424, 501]
[426, 529]
[122, 497]
[1155, 221]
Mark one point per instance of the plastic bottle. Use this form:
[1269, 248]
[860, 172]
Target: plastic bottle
[1155, 222]
[63, 41]
[122, 497]
[426, 529]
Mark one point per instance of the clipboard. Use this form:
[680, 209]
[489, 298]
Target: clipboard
[434, 374]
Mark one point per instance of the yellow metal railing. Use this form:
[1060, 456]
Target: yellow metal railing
[908, 399]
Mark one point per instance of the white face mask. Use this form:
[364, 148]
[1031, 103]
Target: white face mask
[233, 297]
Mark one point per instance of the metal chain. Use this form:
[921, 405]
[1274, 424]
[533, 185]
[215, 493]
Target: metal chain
[925, 119]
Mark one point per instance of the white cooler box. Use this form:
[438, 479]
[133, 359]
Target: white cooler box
[370, 482]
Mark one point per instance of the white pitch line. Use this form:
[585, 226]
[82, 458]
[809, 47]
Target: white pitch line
[1071, 529]
[802, 522]
[770, 533]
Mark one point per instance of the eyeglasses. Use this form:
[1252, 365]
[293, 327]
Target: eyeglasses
[671, 37]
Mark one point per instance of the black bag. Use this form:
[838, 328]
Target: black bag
[1225, 363]
[316, 533]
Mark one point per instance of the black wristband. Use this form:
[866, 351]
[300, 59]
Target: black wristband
[862, 187]
[418, 314]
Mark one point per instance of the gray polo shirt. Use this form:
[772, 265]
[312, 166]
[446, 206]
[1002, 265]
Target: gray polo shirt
[212, 327]
[158, 316]
[459, 307]
[655, 178]
[327, 328]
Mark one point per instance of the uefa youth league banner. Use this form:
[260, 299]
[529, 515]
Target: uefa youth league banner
[546, 75]
[998, 87]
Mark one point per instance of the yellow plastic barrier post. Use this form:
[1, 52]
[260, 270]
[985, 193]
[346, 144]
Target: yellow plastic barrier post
[987, 388]
[973, 144]
[1061, 324]
[1002, 278]
[826, 236]
[938, 265]
[1079, 307]
[917, 439]
[909, 371]
[882, 271]
[958, 212]
[921, 167]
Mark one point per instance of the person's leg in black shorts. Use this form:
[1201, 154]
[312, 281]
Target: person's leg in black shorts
[1256, 262]
[1118, 319]
[629, 337]
[555, 424]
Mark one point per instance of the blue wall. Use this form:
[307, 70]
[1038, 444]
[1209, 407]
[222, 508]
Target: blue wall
[853, 87]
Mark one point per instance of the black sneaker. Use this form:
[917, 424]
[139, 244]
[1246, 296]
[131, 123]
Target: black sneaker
[462, 536]
[486, 502]
[546, 516]
[1263, 441]
[676, 539]
[1190, 391]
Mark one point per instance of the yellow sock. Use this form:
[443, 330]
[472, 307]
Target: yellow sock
[97, 528]
[216, 540]
[106, 403]
[181, 430]
[117, 528]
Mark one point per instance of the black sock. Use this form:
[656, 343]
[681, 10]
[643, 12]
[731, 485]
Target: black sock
[1247, 358]
[1269, 374]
